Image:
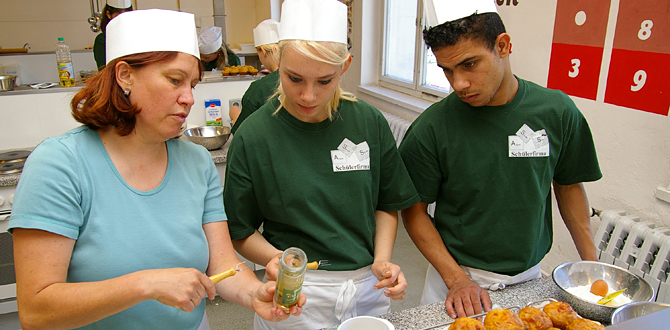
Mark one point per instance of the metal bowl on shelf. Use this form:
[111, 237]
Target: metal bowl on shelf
[87, 74]
[210, 137]
[633, 310]
[584, 273]
[7, 83]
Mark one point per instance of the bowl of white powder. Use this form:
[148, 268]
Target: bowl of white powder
[575, 279]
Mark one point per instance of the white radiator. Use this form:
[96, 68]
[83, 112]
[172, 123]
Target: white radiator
[639, 246]
[398, 126]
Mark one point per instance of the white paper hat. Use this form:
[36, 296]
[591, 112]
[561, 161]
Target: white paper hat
[210, 39]
[316, 20]
[267, 32]
[121, 4]
[440, 11]
[151, 30]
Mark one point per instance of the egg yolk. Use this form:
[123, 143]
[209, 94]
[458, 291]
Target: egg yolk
[599, 288]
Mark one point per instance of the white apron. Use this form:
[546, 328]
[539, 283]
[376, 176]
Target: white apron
[332, 298]
[434, 290]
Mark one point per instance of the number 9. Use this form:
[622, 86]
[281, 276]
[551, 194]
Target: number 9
[639, 79]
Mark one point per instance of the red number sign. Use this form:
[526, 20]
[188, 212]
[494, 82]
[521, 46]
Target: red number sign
[639, 69]
[577, 48]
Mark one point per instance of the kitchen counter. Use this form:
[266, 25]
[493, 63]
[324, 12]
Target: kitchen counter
[432, 315]
[218, 157]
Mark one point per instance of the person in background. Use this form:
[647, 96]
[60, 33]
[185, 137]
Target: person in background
[488, 154]
[112, 9]
[214, 53]
[319, 170]
[116, 222]
[266, 36]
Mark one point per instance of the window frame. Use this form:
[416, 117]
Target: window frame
[417, 88]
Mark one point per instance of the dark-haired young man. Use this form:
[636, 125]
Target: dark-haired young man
[488, 155]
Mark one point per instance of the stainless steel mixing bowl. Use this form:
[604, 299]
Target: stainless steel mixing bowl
[7, 83]
[210, 137]
[633, 310]
[580, 273]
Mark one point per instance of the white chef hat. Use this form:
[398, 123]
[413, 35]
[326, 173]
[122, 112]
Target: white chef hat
[210, 39]
[121, 4]
[440, 11]
[151, 30]
[316, 20]
[266, 32]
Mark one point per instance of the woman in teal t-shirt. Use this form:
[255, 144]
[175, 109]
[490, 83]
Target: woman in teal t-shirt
[117, 224]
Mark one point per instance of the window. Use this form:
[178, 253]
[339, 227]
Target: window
[408, 66]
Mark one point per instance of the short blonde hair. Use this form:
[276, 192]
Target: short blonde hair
[333, 53]
[270, 49]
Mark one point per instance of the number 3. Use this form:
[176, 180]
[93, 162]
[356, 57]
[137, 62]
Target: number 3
[645, 29]
[639, 79]
[575, 68]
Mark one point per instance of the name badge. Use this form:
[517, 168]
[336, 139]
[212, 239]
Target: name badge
[351, 157]
[528, 143]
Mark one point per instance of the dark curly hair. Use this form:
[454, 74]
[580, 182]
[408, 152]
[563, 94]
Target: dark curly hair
[484, 27]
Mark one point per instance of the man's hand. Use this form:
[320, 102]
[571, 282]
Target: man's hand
[466, 298]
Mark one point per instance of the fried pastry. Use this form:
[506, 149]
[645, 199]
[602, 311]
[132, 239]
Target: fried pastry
[535, 319]
[584, 324]
[503, 319]
[466, 323]
[560, 313]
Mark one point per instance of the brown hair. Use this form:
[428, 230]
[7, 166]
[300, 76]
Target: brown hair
[101, 102]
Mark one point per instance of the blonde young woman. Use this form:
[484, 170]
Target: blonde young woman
[266, 36]
[319, 169]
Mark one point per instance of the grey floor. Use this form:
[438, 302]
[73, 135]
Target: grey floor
[224, 315]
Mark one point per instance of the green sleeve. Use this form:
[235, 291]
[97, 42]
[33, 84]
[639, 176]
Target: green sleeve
[418, 152]
[233, 59]
[99, 49]
[242, 209]
[578, 161]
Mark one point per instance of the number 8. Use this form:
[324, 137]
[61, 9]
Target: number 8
[639, 79]
[645, 29]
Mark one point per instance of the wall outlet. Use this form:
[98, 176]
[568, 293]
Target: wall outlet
[235, 102]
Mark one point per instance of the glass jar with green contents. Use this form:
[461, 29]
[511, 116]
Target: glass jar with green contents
[292, 265]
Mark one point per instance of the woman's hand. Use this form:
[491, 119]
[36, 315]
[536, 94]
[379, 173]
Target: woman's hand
[264, 305]
[182, 288]
[390, 277]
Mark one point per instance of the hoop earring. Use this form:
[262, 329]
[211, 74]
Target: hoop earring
[126, 91]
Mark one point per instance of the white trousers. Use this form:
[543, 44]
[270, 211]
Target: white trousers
[434, 290]
[332, 298]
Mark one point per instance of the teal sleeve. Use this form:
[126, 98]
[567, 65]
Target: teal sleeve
[214, 197]
[49, 194]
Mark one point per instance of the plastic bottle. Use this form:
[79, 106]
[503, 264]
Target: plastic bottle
[292, 266]
[64, 63]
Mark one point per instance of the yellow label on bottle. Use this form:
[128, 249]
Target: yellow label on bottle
[66, 74]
